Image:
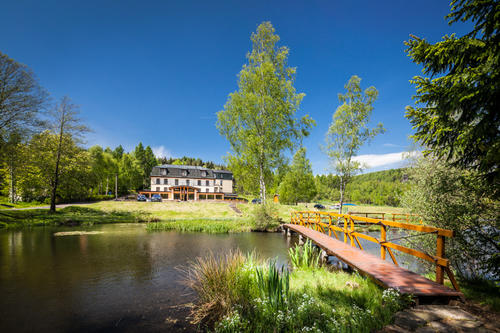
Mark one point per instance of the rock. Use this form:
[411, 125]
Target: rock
[408, 320]
[472, 324]
[393, 329]
[446, 312]
[440, 327]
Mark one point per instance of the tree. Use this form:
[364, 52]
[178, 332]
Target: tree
[259, 119]
[298, 184]
[456, 199]
[66, 124]
[457, 116]
[349, 131]
[21, 98]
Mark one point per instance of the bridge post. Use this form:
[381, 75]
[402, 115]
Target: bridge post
[288, 232]
[324, 256]
[440, 254]
[301, 239]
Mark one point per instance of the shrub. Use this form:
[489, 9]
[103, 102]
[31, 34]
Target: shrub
[265, 216]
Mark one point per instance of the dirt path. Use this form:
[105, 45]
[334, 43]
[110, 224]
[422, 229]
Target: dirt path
[232, 205]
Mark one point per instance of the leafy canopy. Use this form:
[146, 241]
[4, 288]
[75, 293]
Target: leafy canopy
[259, 119]
[349, 130]
[298, 184]
[457, 112]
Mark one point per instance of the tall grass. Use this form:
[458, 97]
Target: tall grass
[274, 284]
[304, 257]
[239, 293]
[214, 226]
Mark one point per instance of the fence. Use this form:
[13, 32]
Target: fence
[332, 222]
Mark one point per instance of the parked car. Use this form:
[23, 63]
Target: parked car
[319, 206]
[156, 198]
[336, 207]
[141, 197]
[256, 201]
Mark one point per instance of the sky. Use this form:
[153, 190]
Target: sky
[157, 72]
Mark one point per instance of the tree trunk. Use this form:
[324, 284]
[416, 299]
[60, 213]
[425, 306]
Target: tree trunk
[12, 183]
[262, 184]
[341, 194]
[107, 185]
[116, 186]
[55, 183]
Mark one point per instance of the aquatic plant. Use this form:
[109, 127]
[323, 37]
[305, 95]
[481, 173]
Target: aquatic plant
[304, 257]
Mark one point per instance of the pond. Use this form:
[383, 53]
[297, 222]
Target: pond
[117, 278]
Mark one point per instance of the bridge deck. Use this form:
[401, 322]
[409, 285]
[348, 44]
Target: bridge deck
[383, 272]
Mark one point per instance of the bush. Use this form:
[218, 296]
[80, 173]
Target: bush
[265, 217]
[450, 198]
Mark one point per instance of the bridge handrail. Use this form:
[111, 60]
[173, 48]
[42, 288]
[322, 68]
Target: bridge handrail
[315, 219]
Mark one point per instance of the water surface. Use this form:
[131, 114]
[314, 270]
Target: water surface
[124, 279]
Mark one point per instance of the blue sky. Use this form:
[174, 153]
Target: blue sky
[158, 71]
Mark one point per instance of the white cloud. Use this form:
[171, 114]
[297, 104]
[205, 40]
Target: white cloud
[392, 145]
[378, 160]
[161, 151]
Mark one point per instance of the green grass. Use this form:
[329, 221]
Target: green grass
[206, 225]
[239, 293]
[5, 204]
[483, 292]
[65, 216]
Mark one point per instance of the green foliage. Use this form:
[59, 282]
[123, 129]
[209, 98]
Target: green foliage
[298, 183]
[191, 161]
[304, 257]
[274, 285]
[259, 119]
[457, 117]
[207, 225]
[246, 294]
[349, 131]
[381, 188]
[459, 200]
[265, 216]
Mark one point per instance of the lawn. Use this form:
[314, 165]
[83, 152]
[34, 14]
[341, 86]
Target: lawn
[186, 215]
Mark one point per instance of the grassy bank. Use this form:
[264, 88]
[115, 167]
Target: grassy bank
[242, 293]
[72, 215]
[207, 225]
[182, 216]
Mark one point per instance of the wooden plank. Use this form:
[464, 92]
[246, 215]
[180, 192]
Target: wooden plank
[383, 272]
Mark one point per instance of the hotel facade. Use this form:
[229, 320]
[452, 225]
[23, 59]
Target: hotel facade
[186, 182]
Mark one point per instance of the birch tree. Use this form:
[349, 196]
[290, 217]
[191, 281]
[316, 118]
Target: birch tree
[259, 118]
[349, 131]
[66, 124]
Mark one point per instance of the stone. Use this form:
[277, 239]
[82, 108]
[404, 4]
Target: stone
[446, 312]
[463, 323]
[408, 320]
[440, 327]
[393, 329]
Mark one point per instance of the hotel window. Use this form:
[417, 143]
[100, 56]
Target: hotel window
[203, 173]
[199, 182]
[165, 189]
[207, 190]
[165, 181]
[187, 182]
[216, 189]
[207, 183]
[157, 189]
[220, 182]
[176, 182]
[184, 173]
[157, 181]
[163, 172]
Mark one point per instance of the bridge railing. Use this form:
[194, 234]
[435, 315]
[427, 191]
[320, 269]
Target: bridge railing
[345, 223]
[397, 217]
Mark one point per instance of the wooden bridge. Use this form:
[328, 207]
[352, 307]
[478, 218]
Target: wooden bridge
[319, 227]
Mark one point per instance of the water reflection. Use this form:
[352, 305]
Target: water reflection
[122, 279]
